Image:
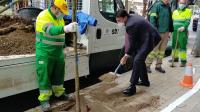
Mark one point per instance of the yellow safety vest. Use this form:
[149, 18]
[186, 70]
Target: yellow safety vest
[45, 20]
[181, 18]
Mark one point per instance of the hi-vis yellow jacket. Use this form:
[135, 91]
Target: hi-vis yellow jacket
[181, 18]
[50, 36]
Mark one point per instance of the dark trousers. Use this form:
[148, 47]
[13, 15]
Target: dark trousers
[139, 67]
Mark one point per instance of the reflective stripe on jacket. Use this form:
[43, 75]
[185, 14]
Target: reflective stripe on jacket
[44, 22]
[181, 18]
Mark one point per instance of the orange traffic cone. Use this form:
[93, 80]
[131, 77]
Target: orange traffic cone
[188, 79]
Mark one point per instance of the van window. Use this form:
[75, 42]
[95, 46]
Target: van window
[108, 8]
[79, 5]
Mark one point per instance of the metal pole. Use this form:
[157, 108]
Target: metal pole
[74, 8]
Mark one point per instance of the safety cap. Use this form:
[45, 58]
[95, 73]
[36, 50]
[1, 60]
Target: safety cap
[62, 5]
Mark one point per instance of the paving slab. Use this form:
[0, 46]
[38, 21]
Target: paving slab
[164, 89]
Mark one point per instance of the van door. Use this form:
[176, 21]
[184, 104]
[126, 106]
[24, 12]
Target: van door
[108, 36]
[83, 58]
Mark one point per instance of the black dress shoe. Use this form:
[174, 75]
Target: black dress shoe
[140, 83]
[131, 90]
[175, 60]
[160, 69]
[148, 70]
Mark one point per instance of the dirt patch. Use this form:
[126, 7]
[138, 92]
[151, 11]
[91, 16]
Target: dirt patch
[121, 103]
[136, 104]
[116, 102]
[109, 77]
[6, 21]
[17, 36]
[99, 93]
[152, 101]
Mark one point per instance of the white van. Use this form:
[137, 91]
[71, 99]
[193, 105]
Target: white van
[103, 45]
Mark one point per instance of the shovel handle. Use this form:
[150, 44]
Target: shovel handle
[119, 66]
[177, 38]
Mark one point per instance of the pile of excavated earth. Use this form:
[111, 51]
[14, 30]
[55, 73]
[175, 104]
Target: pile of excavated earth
[17, 37]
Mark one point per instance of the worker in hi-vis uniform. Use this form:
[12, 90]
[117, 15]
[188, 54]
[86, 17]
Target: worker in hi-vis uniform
[181, 20]
[161, 18]
[50, 63]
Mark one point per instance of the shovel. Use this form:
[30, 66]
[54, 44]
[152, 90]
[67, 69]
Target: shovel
[116, 70]
[109, 77]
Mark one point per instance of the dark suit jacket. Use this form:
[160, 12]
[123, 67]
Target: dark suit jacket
[138, 31]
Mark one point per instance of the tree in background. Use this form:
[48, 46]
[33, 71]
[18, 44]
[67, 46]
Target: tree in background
[144, 8]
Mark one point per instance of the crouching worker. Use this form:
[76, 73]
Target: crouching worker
[50, 63]
[142, 38]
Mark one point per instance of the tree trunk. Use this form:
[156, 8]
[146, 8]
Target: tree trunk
[144, 8]
[74, 8]
[126, 4]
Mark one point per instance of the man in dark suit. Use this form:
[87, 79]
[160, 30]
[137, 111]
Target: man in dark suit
[142, 38]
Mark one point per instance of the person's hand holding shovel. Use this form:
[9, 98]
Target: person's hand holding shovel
[124, 59]
[181, 29]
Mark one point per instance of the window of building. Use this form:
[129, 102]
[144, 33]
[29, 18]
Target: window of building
[79, 5]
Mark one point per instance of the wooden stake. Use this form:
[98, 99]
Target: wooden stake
[74, 7]
[144, 8]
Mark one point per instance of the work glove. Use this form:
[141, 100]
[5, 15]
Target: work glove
[72, 27]
[181, 29]
[170, 35]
